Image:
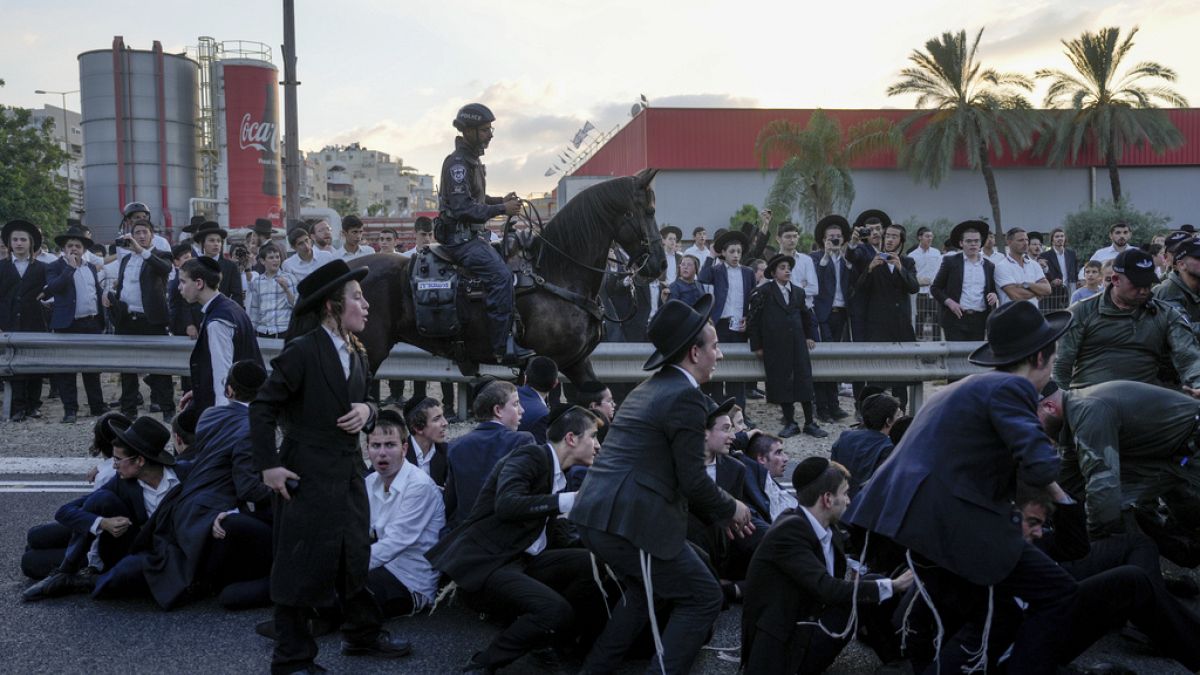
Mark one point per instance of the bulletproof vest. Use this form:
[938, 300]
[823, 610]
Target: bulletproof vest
[435, 294]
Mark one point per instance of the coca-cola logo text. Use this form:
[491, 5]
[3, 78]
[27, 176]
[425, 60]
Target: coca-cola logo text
[257, 135]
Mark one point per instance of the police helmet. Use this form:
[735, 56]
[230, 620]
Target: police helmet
[473, 115]
[135, 207]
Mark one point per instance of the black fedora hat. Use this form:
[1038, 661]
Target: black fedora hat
[779, 259]
[731, 237]
[827, 222]
[863, 217]
[74, 232]
[148, 438]
[209, 227]
[669, 229]
[979, 226]
[194, 224]
[35, 233]
[1016, 331]
[262, 227]
[675, 327]
[323, 282]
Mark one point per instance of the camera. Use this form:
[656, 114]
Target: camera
[864, 232]
[240, 251]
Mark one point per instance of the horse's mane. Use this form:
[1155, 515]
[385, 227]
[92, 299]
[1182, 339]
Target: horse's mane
[582, 223]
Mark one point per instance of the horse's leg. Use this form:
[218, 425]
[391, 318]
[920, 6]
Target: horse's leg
[580, 372]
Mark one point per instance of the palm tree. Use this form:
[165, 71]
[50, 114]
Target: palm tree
[974, 112]
[815, 177]
[1106, 111]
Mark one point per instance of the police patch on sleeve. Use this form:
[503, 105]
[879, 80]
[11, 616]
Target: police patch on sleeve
[458, 172]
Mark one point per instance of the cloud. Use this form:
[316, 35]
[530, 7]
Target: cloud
[1038, 29]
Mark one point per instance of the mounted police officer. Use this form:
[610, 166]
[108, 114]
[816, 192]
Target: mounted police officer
[463, 208]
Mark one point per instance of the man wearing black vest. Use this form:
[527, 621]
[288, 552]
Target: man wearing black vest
[141, 292]
[226, 336]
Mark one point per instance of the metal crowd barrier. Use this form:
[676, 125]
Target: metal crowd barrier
[917, 362]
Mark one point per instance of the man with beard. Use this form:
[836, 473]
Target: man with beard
[1118, 234]
[1181, 287]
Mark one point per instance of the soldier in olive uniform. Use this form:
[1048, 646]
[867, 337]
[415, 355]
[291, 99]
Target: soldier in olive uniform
[1181, 287]
[1124, 333]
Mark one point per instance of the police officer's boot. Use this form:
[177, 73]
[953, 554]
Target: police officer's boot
[514, 354]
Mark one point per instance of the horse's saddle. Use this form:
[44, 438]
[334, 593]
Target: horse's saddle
[439, 285]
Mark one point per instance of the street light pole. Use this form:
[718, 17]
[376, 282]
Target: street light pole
[66, 139]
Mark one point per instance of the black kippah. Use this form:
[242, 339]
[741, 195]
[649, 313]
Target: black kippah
[591, 387]
[209, 264]
[479, 385]
[188, 418]
[808, 471]
[411, 404]
[558, 410]
[247, 374]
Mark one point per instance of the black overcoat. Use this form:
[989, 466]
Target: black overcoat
[779, 328]
[887, 297]
[326, 525]
[19, 306]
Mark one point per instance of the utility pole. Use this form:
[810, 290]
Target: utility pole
[291, 124]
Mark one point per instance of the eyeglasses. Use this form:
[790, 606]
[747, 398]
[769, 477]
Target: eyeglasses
[118, 460]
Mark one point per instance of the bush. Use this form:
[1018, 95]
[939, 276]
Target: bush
[1087, 229]
[941, 231]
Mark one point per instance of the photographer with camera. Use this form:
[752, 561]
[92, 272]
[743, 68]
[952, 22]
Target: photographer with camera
[886, 289]
[834, 290]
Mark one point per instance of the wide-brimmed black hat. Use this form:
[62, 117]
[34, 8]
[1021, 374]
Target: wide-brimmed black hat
[209, 227]
[883, 217]
[74, 232]
[731, 237]
[323, 281]
[35, 233]
[777, 260]
[979, 226]
[262, 227]
[669, 229]
[148, 438]
[1018, 330]
[715, 409]
[827, 222]
[194, 224]
[675, 328]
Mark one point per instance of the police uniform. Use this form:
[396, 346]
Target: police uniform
[463, 208]
[1175, 291]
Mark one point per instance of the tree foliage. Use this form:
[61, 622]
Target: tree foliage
[973, 113]
[344, 206]
[1087, 228]
[30, 185]
[815, 176]
[747, 214]
[1104, 110]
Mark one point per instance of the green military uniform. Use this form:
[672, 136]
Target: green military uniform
[1125, 443]
[1175, 291]
[1105, 343]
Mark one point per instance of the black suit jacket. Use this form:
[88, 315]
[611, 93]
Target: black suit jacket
[437, 465]
[231, 281]
[887, 301]
[949, 280]
[826, 281]
[515, 505]
[1053, 272]
[787, 581]
[651, 472]
[60, 285]
[153, 283]
[19, 306]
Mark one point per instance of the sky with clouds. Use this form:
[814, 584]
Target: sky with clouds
[391, 74]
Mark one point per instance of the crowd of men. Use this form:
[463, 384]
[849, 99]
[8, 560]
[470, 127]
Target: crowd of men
[138, 285]
[607, 534]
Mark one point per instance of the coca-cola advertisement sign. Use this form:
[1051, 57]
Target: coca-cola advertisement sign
[252, 143]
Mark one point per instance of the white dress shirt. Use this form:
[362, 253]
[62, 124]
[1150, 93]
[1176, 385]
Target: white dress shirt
[804, 275]
[825, 536]
[220, 352]
[424, 458]
[151, 496]
[672, 269]
[131, 286]
[300, 269]
[928, 261]
[85, 292]
[566, 500]
[733, 310]
[363, 251]
[1103, 255]
[701, 254]
[406, 517]
[342, 349]
[974, 280]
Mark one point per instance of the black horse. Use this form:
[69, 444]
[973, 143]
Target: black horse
[560, 315]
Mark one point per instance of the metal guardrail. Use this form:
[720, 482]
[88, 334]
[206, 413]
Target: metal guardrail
[46, 353]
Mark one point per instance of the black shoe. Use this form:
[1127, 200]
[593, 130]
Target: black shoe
[815, 431]
[96, 412]
[59, 584]
[838, 414]
[755, 395]
[36, 413]
[18, 416]
[69, 418]
[266, 629]
[384, 646]
[826, 418]
[790, 430]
